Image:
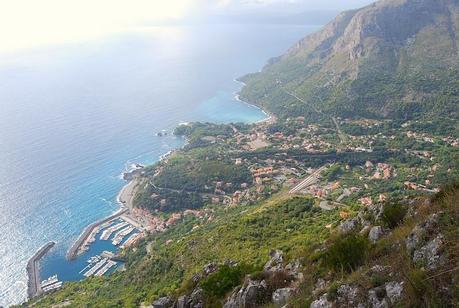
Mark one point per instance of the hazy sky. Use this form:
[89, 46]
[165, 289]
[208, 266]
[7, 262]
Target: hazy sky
[30, 23]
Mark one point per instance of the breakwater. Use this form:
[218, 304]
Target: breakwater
[74, 250]
[33, 271]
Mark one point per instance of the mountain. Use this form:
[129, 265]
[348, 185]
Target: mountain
[345, 212]
[391, 59]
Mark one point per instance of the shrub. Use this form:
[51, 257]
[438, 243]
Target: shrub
[278, 280]
[346, 253]
[224, 280]
[393, 215]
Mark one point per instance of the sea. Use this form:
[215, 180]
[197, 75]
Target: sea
[74, 117]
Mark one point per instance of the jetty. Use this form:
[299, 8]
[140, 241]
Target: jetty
[33, 271]
[75, 249]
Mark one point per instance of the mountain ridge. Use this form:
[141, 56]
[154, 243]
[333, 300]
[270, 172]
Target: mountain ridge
[391, 42]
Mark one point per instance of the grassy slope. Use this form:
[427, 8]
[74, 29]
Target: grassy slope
[241, 234]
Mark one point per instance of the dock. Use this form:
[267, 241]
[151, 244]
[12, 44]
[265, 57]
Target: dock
[95, 268]
[33, 271]
[109, 231]
[105, 268]
[121, 235]
[132, 239]
[75, 249]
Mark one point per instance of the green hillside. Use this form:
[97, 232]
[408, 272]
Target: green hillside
[392, 59]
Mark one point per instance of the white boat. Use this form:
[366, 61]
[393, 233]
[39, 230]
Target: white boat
[49, 281]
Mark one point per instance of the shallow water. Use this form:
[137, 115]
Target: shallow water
[74, 117]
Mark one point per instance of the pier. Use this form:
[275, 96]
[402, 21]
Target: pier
[109, 231]
[33, 271]
[121, 235]
[75, 249]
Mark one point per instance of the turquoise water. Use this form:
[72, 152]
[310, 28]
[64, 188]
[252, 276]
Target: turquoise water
[74, 117]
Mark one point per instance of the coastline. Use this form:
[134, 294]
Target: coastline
[75, 249]
[33, 270]
[126, 195]
[270, 117]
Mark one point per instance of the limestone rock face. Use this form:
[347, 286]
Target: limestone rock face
[375, 234]
[252, 295]
[280, 297]
[394, 291]
[322, 302]
[430, 254]
[421, 232]
[388, 38]
[349, 225]
[163, 302]
[276, 261]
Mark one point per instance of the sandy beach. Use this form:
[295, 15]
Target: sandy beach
[127, 194]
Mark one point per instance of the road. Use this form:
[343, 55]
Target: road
[313, 178]
[339, 132]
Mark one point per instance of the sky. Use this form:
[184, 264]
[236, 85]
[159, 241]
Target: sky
[32, 23]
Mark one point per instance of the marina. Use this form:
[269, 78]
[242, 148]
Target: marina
[52, 283]
[79, 245]
[55, 286]
[107, 233]
[51, 280]
[105, 268]
[95, 268]
[121, 235]
[131, 240]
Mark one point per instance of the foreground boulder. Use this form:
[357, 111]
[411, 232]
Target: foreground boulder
[253, 294]
[163, 302]
[280, 297]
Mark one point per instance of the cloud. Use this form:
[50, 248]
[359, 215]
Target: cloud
[27, 23]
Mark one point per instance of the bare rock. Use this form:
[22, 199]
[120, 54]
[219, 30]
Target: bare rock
[349, 225]
[430, 254]
[377, 298]
[163, 302]
[365, 230]
[253, 294]
[375, 233]
[322, 302]
[347, 294]
[421, 232]
[293, 269]
[394, 291]
[183, 302]
[276, 263]
[280, 297]
[210, 268]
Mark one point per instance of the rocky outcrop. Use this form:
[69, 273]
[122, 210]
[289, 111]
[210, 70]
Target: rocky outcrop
[425, 243]
[356, 296]
[276, 262]
[430, 254]
[253, 294]
[278, 285]
[194, 300]
[163, 302]
[375, 234]
[385, 296]
[321, 302]
[280, 297]
[349, 225]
